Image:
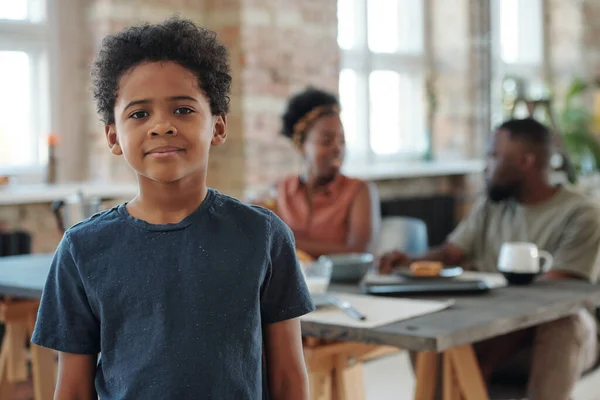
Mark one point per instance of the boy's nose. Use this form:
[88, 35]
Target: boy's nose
[163, 128]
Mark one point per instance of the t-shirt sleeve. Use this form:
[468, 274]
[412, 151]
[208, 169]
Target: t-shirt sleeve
[577, 251]
[469, 229]
[284, 294]
[65, 320]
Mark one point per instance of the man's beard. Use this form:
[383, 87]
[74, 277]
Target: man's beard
[498, 193]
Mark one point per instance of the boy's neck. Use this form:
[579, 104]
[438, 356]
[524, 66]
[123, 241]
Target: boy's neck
[168, 203]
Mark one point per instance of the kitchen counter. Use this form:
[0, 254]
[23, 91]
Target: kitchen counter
[14, 194]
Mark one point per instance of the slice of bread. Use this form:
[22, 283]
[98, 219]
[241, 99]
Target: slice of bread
[426, 268]
[303, 256]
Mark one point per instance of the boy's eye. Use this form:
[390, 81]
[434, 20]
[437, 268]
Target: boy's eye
[184, 110]
[139, 114]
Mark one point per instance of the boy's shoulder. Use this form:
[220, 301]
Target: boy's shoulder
[251, 219]
[243, 212]
[100, 222]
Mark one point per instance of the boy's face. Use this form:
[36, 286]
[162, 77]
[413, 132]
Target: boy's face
[163, 124]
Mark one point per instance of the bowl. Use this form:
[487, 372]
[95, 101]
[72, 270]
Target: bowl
[317, 275]
[349, 268]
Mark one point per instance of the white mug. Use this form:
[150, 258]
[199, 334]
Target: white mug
[523, 258]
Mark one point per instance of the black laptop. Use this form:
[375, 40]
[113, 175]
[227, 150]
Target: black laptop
[429, 286]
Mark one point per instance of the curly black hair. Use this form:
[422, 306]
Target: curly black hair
[301, 104]
[177, 40]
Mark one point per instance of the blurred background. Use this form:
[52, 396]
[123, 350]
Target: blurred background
[422, 83]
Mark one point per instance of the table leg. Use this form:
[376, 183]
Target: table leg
[451, 389]
[5, 384]
[16, 337]
[426, 375]
[336, 369]
[320, 378]
[468, 374]
[43, 368]
[349, 379]
[19, 318]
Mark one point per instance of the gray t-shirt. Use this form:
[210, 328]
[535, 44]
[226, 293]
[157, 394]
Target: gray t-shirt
[177, 310]
[567, 225]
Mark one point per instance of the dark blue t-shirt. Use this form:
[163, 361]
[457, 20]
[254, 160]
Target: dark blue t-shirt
[176, 310]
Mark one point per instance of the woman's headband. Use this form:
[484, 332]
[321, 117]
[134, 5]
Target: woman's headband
[300, 127]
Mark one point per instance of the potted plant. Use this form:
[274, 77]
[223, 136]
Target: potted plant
[576, 127]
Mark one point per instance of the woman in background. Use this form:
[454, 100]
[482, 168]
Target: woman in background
[328, 212]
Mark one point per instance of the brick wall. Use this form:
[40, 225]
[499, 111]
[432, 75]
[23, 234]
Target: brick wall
[573, 45]
[591, 38]
[453, 126]
[287, 46]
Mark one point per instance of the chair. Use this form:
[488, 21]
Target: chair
[15, 243]
[406, 234]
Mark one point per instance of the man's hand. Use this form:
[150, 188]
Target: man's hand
[449, 254]
[392, 260]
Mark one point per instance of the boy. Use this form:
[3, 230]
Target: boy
[179, 288]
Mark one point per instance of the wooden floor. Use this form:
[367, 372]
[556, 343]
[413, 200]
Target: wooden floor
[390, 378]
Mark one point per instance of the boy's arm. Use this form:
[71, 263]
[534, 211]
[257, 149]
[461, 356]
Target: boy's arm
[288, 378]
[284, 297]
[76, 374]
[67, 324]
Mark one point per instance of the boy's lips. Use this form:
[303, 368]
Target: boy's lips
[164, 151]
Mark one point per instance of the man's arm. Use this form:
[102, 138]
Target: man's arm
[550, 275]
[449, 254]
[459, 246]
[288, 379]
[576, 256]
[76, 374]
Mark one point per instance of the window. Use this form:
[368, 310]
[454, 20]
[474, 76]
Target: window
[382, 82]
[24, 114]
[518, 53]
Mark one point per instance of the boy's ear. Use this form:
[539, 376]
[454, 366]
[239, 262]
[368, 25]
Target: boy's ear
[113, 141]
[219, 130]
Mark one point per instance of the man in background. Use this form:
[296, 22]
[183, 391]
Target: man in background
[522, 206]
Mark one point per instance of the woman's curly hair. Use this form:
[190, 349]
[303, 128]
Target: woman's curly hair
[301, 104]
[177, 40]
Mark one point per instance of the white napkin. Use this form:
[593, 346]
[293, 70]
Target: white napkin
[379, 311]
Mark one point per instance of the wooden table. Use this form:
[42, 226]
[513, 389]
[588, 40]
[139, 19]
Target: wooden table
[22, 279]
[336, 368]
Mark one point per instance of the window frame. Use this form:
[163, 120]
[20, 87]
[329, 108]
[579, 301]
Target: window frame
[362, 60]
[501, 69]
[34, 38]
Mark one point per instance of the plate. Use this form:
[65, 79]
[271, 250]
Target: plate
[446, 273]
